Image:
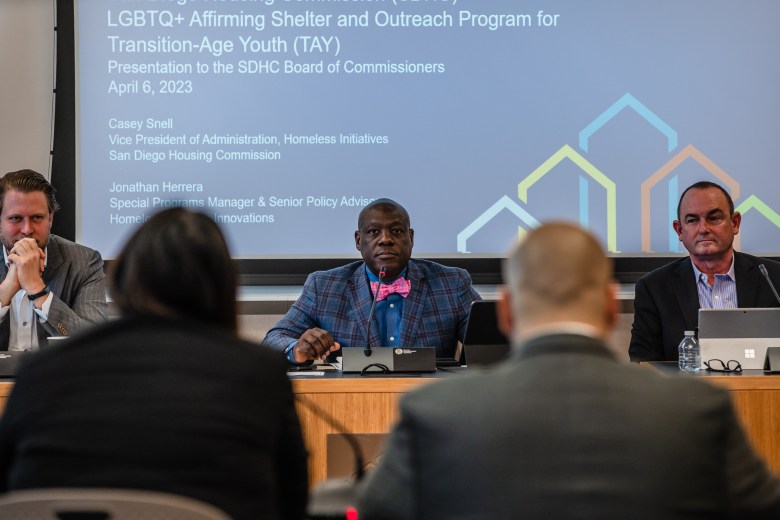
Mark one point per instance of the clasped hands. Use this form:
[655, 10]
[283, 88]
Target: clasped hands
[25, 268]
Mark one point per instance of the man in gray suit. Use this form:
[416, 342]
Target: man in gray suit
[561, 429]
[50, 286]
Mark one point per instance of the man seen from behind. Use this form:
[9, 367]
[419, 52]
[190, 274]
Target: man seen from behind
[562, 429]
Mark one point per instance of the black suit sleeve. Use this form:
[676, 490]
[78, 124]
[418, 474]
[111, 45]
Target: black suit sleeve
[291, 458]
[6, 458]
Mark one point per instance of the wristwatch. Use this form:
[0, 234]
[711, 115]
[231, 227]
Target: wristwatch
[37, 295]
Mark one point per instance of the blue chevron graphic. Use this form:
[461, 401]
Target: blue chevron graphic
[501, 204]
[628, 101]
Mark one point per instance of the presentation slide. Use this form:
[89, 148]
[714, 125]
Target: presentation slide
[281, 119]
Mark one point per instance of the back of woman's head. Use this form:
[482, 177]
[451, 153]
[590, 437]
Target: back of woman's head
[178, 265]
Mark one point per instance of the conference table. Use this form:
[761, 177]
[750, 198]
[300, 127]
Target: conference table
[6, 384]
[363, 405]
[756, 397]
[367, 406]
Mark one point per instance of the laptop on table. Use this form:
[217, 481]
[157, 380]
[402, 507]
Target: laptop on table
[742, 335]
[9, 362]
[483, 343]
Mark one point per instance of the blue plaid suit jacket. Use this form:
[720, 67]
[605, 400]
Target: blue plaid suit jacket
[339, 301]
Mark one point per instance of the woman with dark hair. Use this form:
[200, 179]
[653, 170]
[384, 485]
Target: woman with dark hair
[177, 265]
[166, 397]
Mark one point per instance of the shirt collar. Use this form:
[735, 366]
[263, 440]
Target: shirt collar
[374, 278]
[698, 274]
[559, 327]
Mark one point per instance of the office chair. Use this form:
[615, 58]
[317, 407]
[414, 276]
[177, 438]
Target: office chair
[103, 504]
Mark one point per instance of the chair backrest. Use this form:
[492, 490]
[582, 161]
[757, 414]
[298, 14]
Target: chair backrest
[103, 504]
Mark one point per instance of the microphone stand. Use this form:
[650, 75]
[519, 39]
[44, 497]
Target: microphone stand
[335, 498]
[382, 273]
[762, 268]
[772, 358]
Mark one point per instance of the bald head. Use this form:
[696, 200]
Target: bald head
[382, 203]
[559, 272]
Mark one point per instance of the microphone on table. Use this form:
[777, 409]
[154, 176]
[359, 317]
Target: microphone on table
[382, 273]
[771, 358]
[335, 499]
[762, 268]
[386, 360]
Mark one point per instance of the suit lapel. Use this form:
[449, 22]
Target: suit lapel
[686, 294]
[5, 327]
[748, 279]
[54, 263]
[413, 306]
[52, 277]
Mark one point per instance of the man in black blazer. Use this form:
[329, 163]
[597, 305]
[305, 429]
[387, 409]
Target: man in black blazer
[667, 300]
[561, 429]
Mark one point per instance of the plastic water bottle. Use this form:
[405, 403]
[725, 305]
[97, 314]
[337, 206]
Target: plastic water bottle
[689, 353]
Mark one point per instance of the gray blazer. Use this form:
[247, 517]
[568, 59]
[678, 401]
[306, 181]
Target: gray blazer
[562, 430]
[75, 276]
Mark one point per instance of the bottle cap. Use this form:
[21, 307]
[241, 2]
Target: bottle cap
[689, 333]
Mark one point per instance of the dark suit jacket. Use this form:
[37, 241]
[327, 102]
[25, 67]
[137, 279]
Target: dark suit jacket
[171, 406]
[339, 301]
[561, 430]
[74, 274]
[666, 303]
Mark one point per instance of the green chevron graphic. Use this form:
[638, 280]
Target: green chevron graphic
[754, 202]
[567, 152]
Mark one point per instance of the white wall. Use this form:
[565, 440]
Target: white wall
[26, 82]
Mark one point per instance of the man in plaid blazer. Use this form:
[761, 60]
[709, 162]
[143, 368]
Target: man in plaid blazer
[421, 303]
